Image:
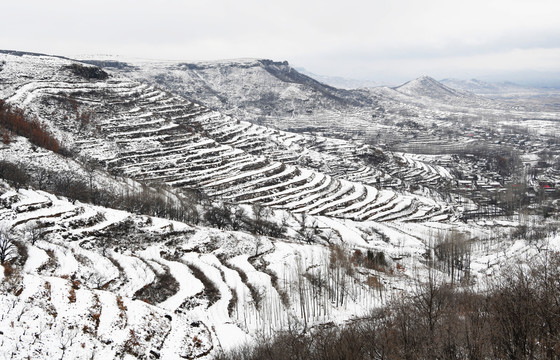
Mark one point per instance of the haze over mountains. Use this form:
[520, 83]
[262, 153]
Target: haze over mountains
[191, 207]
[340, 82]
[274, 94]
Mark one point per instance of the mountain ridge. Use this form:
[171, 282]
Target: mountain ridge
[429, 87]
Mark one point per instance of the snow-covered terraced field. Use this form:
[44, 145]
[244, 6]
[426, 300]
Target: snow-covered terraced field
[150, 135]
[139, 288]
[415, 169]
[94, 282]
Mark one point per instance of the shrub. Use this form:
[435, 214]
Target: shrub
[164, 286]
[88, 72]
[13, 174]
[14, 120]
[210, 289]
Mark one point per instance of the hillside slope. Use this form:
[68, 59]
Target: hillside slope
[88, 281]
[139, 131]
[274, 94]
[261, 91]
[304, 229]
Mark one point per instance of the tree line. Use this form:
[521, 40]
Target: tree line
[518, 317]
[189, 205]
[13, 120]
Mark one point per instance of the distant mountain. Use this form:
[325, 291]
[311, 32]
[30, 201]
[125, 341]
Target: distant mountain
[473, 85]
[261, 91]
[340, 82]
[259, 87]
[429, 87]
[480, 87]
[536, 98]
[426, 91]
[274, 94]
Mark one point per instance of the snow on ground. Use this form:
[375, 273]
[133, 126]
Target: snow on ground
[81, 282]
[136, 271]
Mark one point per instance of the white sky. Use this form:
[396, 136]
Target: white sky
[390, 40]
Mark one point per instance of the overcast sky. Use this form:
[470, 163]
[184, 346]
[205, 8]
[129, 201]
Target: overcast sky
[387, 41]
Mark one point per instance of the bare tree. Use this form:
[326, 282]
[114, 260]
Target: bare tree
[453, 252]
[6, 246]
[260, 215]
[260, 212]
[67, 338]
[238, 217]
[285, 220]
[34, 231]
[308, 235]
[90, 166]
[219, 217]
[42, 176]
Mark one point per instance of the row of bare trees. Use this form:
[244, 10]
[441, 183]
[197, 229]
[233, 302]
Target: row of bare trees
[191, 205]
[517, 318]
[15, 121]
[234, 217]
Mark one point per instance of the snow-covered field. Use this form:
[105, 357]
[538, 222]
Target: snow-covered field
[103, 283]
[147, 134]
[90, 297]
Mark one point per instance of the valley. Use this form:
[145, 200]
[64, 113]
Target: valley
[196, 207]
